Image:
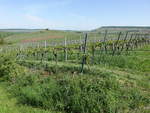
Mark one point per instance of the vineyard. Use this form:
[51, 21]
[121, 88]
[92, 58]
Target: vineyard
[110, 49]
[74, 56]
[93, 72]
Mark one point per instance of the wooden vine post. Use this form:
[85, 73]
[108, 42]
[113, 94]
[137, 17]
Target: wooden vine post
[146, 39]
[84, 52]
[93, 53]
[65, 50]
[124, 41]
[45, 51]
[136, 40]
[105, 45]
[81, 44]
[116, 44]
[133, 42]
[128, 45]
[45, 44]
[55, 55]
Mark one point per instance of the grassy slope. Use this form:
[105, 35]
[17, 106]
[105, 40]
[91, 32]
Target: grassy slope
[123, 28]
[129, 78]
[8, 104]
[51, 35]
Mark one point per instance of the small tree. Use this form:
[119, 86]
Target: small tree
[47, 29]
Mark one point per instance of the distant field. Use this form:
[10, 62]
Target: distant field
[41, 35]
[15, 36]
[20, 30]
[123, 28]
[49, 36]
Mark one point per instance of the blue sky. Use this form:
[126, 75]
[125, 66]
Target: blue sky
[73, 14]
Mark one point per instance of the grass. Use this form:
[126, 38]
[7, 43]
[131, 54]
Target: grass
[51, 35]
[9, 104]
[123, 86]
[118, 90]
[3, 35]
[126, 88]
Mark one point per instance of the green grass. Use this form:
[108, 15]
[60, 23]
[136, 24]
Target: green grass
[3, 35]
[51, 35]
[131, 94]
[123, 86]
[118, 90]
[9, 104]
[113, 83]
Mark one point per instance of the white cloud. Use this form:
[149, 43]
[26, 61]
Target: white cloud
[40, 7]
[34, 19]
[73, 22]
[45, 14]
[39, 22]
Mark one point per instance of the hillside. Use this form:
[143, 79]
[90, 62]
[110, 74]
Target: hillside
[123, 87]
[37, 36]
[108, 76]
[123, 28]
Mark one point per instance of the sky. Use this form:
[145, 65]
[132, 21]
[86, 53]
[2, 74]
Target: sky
[73, 14]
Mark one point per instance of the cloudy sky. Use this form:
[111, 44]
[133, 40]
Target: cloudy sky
[73, 14]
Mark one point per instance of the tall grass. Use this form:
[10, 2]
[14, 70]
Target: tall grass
[74, 94]
[64, 89]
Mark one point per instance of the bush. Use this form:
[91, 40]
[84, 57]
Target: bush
[92, 92]
[78, 94]
[84, 94]
[87, 95]
[8, 68]
[2, 41]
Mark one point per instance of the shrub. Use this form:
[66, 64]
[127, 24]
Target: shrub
[84, 94]
[8, 68]
[2, 41]
[78, 94]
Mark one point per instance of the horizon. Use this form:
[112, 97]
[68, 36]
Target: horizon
[73, 14]
[75, 30]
